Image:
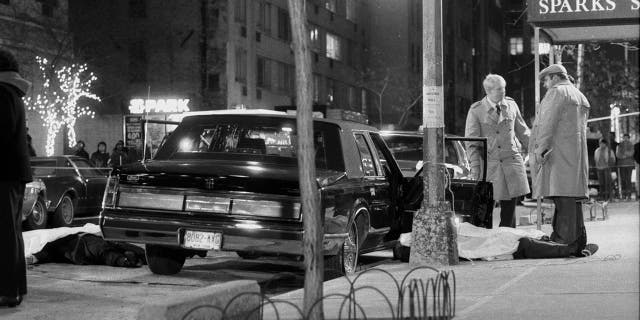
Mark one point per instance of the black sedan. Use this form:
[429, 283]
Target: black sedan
[74, 187]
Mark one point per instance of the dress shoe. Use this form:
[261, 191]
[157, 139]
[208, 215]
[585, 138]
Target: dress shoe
[10, 302]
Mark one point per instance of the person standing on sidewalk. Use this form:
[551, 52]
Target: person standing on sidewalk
[624, 154]
[559, 159]
[605, 159]
[15, 173]
[498, 118]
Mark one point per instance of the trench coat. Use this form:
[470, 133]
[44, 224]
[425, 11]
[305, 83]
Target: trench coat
[505, 134]
[560, 130]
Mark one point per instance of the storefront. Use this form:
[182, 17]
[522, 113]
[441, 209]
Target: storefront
[146, 120]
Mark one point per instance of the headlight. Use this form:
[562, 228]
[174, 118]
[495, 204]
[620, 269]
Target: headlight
[110, 192]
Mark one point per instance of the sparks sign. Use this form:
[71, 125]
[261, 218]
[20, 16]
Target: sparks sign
[603, 11]
[140, 106]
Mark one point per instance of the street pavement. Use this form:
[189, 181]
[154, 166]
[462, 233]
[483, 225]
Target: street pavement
[605, 286]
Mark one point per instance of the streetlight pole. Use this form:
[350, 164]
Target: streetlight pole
[434, 234]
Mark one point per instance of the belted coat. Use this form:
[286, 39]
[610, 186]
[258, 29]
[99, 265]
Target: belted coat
[560, 132]
[505, 134]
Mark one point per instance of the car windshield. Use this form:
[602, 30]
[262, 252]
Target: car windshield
[266, 139]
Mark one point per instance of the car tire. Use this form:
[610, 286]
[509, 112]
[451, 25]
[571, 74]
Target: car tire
[37, 219]
[247, 255]
[401, 253]
[164, 260]
[65, 212]
[346, 261]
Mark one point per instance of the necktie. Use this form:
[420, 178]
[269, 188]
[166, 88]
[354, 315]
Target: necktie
[498, 109]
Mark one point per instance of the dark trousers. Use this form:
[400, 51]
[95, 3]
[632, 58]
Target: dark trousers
[13, 272]
[605, 184]
[537, 249]
[508, 213]
[568, 222]
[625, 181]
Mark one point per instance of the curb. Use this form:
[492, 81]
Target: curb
[207, 303]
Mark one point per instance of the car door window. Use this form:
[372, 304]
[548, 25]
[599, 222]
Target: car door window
[86, 169]
[386, 159]
[43, 168]
[366, 158]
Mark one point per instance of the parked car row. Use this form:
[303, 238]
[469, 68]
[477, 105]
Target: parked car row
[230, 182]
[64, 188]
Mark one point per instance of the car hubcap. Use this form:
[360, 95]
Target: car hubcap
[38, 214]
[350, 252]
[67, 210]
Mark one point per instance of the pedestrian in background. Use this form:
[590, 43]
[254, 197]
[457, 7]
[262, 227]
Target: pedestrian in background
[605, 159]
[80, 151]
[15, 173]
[559, 157]
[118, 155]
[636, 157]
[32, 151]
[100, 158]
[624, 155]
[498, 118]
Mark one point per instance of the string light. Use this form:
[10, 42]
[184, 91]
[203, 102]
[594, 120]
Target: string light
[57, 103]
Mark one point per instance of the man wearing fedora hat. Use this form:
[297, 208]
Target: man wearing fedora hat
[558, 155]
[14, 174]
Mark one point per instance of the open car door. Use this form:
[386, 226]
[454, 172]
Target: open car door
[471, 200]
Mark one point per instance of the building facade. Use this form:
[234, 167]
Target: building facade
[32, 28]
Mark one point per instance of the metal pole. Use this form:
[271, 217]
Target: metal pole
[536, 41]
[434, 234]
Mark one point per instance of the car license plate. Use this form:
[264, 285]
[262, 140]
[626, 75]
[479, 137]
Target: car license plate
[202, 240]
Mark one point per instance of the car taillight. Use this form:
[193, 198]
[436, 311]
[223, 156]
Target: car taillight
[110, 192]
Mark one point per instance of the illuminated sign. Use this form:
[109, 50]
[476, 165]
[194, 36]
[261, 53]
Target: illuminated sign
[581, 10]
[140, 106]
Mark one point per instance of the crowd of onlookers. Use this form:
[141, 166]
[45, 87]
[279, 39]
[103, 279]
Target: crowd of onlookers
[617, 160]
[102, 158]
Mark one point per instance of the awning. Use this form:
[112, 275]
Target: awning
[579, 21]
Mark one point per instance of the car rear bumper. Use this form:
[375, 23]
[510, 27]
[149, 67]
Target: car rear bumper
[237, 234]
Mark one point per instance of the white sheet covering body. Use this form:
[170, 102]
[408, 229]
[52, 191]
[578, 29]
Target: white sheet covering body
[35, 240]
[480, 243]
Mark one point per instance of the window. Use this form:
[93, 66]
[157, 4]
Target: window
[366, 158]
[137, 62]
[385, 157]
[331, 91]
[264, 16]
[515, 46]
[286, 76]
[263, 70]
[352, 97]
[543, 47]
[213, 81]
[241, 65]
[284, 25]
[137, 9]
[240, 10]
[330, 5]
[351, 10]
[269, 140]
[316, 88]
[314, 38]
[334, 50]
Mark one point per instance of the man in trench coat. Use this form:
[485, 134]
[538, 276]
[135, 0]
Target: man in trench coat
[498, 118]
[15, 173]
[558, 154]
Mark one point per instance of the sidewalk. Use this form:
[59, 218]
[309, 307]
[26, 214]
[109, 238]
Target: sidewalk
[604, 286]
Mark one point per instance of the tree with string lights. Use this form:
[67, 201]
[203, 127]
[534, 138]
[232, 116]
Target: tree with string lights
[58, 101]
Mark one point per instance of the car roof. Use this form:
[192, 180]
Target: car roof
[344, 124]
[66, 156]
[411, 133]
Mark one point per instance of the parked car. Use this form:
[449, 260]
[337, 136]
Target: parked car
[74, 187]
[230, 182]
[34, 206]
